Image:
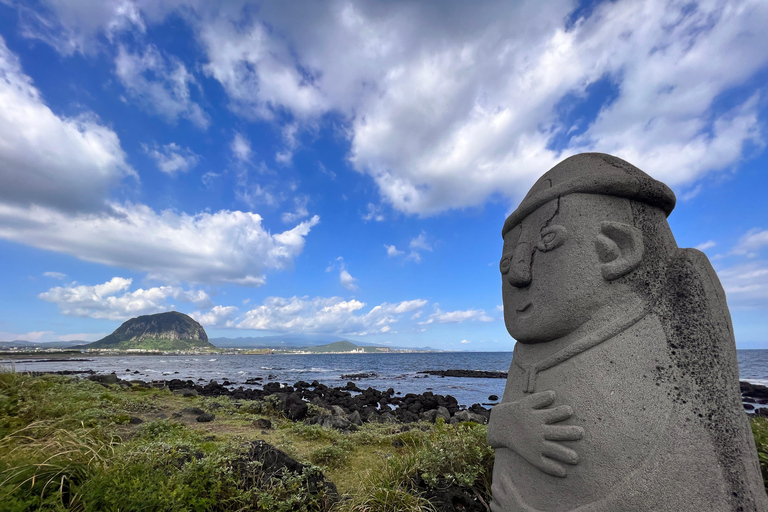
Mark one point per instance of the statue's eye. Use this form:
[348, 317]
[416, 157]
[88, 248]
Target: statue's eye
[552, 237]
[504, 265]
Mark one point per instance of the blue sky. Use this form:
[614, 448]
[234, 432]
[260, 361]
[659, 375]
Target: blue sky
[346, 167]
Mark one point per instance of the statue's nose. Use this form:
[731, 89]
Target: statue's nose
[520, 266]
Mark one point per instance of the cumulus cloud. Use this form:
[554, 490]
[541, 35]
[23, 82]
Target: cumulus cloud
[449, 106]
[446, 106]
[56, 177]
[257, 72]
[326, 315]
[159, 86]
[457, 317]
[218, 316]
[172, 158]
[113, 301]
[66, 163]
[221, 247]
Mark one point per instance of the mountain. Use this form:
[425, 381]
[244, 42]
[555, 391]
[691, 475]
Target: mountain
[42, 344]
[163, 331]
[344, 346]
[282, 341]
[299, 341]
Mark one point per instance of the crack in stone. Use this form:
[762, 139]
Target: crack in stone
[557, 211]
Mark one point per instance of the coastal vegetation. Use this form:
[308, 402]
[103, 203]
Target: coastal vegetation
[76, 444]
[69, 444]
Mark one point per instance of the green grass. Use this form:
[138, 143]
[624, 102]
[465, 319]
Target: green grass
[67, 445]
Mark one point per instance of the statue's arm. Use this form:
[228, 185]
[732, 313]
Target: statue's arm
[529, 428]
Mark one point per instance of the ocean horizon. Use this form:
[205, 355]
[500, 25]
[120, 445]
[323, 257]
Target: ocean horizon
[400, 371]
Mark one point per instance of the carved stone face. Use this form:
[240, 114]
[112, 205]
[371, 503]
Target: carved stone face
[550, 268]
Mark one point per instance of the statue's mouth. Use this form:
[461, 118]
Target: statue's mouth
[525, 309]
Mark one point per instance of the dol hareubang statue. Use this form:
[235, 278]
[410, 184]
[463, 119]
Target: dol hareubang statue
[623, 392]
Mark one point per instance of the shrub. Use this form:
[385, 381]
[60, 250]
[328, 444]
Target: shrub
[390, 490]
[329, 456]
[760, 431]
[457, 455]
[44, 465]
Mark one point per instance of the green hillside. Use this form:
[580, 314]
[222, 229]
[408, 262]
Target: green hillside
[163, 331]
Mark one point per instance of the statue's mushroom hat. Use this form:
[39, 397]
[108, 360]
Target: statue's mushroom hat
[593, 173]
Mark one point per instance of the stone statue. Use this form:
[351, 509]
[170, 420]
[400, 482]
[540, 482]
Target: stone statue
[623, 392]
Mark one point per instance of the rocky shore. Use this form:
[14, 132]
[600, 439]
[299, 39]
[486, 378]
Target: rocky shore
[337, 407]
[753, 397]
[351, 405]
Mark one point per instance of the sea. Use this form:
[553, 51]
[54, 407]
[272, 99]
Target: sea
[399, 371]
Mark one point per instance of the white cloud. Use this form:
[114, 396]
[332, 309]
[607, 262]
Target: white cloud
[241, 147]
[55, 275]
[416, 245]
[172, 158]
[300, 212]
[751, 242]
[420, 243]
[465, 341]
[218, 316]
[67, 163]
[373, 213]
[222, 247]
[706, 245]
[457, 317]
[113, 301]
[326, 314]
[285, 156]
[450, 105]
[252, 193]
[392, 251]
[160, 87]
[34, 336]
[746, 285]
[446, 106]
[74, 26]
[345, 278]
[208, 178]
[347, 281]
[258, 73]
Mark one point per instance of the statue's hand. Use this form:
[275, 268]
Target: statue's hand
[526, 427]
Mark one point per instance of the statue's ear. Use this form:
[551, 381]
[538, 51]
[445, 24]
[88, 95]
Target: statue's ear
[620, 249]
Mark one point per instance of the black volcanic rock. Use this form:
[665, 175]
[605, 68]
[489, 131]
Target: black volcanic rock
[163, 331]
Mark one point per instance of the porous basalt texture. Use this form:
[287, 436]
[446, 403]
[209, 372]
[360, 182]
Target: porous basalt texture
[623, 392]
